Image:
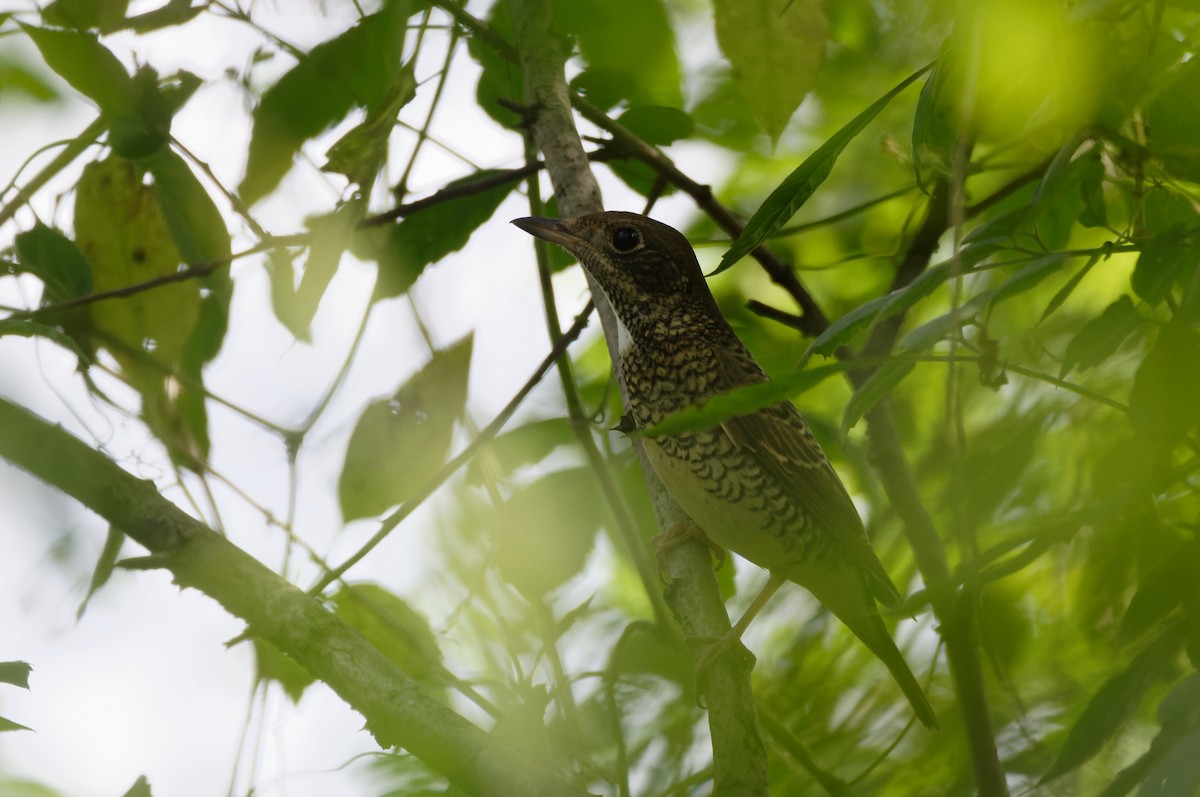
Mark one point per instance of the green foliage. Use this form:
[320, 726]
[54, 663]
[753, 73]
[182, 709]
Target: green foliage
[1009, 262]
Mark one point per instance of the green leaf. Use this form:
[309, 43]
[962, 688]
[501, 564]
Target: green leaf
[15, 76]
[15, 673]
[657, 124]
[331, 234]
[399, 442]
[140, 788]
[1068, 288]
[934, 126]
[8, 725]
[794, 191]
[1091, 190]
[361, 152]
[1165, 258]
[105, 564]
[776, 48]
[525, 445]
[1173, 128]
[403, 250]
[195, 223]
[1165, 401]
[121, 229]
[1100, 337]
[30, 329]
[54, 259]
[104, 15]
[1115, 701]
[388, 622]
[354, 69]
[545, 531]
[500, 79]
[743, 401]
[87, 65]
[272, 664]
[630, 36]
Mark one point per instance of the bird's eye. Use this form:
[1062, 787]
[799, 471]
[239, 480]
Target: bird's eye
[625, 239]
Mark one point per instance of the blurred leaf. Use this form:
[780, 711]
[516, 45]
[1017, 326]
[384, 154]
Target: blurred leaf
[1100, 337]
[195, 223]
[400, 441]
[1165, 400]
[15, 673]
[272, 664]
[604, 87]
[657, 124]
[1006, 624]
[172, 12]
[31, 329]
[796, 189]
[140, 788]
[544, 532]
[356, 68]
[525, 445]
[391, 625]
[933, 132]
[82, 14]
[776, 48]
[8, 725]
[742, 401]
[1173, 128]
[104, 566]
[1091, 190]
[330, 236]
[1108, 709]
[500, 80]
[1170, 766]
[1068, 288]
[360, 153]
[16, 76]
[54, 259]
[1165, 258]
[91, 69]
[992, 466]
[403, 250]
[629, 36]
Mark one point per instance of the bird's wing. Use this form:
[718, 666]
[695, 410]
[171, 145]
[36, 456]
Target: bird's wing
[785, 448]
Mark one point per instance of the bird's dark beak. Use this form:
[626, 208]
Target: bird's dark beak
[552, 230]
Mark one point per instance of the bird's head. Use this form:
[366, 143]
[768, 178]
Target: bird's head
[645, 268]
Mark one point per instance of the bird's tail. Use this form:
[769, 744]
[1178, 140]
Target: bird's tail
[851, 601]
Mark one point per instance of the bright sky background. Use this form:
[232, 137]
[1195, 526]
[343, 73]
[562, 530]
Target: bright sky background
[143, 685]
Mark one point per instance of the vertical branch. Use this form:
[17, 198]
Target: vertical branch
[739, 756]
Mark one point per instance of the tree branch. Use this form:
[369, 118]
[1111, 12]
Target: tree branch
[398, 711]
[739, 756]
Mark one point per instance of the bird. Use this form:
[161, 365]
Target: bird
[757, 484]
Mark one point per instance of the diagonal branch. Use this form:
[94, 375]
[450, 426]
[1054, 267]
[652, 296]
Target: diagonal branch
[398, 711]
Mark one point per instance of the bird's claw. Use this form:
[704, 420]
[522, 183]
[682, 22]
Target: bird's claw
[729, 644]
[677, 534]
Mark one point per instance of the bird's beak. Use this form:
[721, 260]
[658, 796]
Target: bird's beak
[552, 230]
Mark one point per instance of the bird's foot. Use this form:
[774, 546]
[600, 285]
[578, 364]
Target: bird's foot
[677, 534]
[716, 649]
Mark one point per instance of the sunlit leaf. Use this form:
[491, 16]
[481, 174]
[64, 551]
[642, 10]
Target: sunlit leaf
[399, 442]
[776, 48]
[796, 189]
